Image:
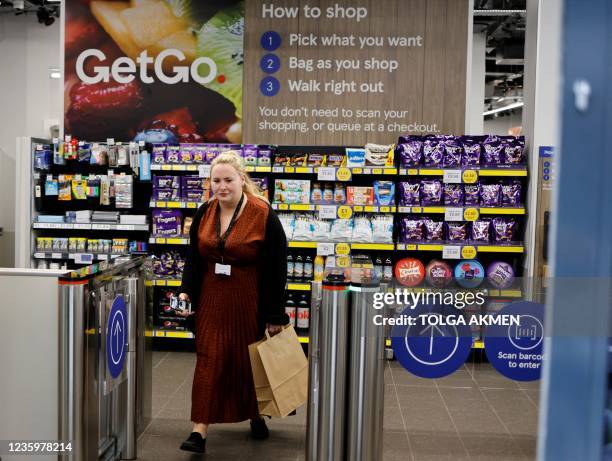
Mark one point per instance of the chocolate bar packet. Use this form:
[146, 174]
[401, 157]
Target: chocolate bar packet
[481, 230]
[410, 193]
[433, 152]
[434, 230]
[453, 152]
[472, 150]
[409, 151]
[457, 231]
[490, 195]
[511, 193]
[514, 150]
[504, 229]
[471, 194]
[453, 194]
[431, 192]
[412, 230]
[493, 148]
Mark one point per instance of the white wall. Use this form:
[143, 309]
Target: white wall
[501, 125]
[28, 97]
[476, 90]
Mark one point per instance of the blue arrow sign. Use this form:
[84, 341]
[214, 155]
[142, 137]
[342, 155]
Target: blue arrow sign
[116, 337]
[516, 350]
[430, 349]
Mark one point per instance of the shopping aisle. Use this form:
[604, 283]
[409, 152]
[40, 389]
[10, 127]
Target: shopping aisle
[475, 414]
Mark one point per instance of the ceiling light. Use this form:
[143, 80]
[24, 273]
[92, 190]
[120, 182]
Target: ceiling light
[515, 105]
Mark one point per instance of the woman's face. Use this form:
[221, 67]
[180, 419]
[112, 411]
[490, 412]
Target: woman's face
[226, 184]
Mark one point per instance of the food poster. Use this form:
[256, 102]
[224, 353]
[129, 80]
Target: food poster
[154, 70]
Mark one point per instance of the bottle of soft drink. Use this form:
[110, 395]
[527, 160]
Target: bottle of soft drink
[290, 267]
[387, 270]
[290, 309]
[308, 269]
[298, 268]
[303, 316]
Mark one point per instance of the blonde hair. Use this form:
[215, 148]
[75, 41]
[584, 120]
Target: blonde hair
[232, 158]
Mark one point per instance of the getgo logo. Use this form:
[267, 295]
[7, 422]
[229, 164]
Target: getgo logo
[123, 69]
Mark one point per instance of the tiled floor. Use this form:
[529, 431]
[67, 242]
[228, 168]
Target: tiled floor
[474, 414]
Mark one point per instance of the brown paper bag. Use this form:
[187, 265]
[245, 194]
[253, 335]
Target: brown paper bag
[280, 373]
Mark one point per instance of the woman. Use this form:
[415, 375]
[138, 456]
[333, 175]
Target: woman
[235, 277]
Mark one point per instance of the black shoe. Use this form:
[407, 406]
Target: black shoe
[194, 443]
[259, 430]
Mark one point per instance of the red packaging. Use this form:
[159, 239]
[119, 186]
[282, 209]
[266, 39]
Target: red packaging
[409, 272]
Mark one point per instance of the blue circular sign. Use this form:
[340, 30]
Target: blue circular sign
[270, 40]
[116, 337]
[433, 343]
[515, 350]
[269, 86]
[270, 63]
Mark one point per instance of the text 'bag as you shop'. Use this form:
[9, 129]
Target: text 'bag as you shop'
[280, 373]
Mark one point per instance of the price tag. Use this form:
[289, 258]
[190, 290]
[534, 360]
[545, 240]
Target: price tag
[277, 169]
[343, 174]
[345, 212]
[141, 143]
[110, 141]
[68, 138]
[385, 209]
[343, 249]
[470, 176]
[37, 191]
[343, 261]
[471, 214]
[452, 176]
[102, 257]
[451, 252]
[377, 170]
[468, 252]
[328, 212]
[55, 140]
[83, 258]
[325, 249]
[82, 226]
[283, 206]
[204, 171]
[326, 174]
[101, 227]
[56, 256]
[38, 146]
[453, 214]
[125, 227]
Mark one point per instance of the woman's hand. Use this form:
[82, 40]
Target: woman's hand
[184, 312]
[273, 329]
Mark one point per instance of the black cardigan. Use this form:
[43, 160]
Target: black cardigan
[271, 270]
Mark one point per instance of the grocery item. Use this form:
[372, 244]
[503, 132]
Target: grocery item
[438, 273]
[500, 274]
[410, 193]
[481, 230]
[384, 193]
[469, 273]
[409, 272]
[379, 155]
[504, 229]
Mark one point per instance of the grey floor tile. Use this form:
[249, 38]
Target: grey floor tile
[403, 377]
[158, 356]
[423, 409]
[471, 413]
[180, 414]
[534, 396]
[436, 447]
[396, 446]
[390, 397]
[515, 409]
[487, 448]
[392, 419]
[527, 445]
[460, 378]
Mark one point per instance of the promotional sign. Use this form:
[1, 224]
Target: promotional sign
[516, 350]
[427, 349]
[116, 337]
[171, 70]
[345, 73]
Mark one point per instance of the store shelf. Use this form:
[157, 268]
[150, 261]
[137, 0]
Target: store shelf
[500, 171]
[505, 293]
[160, 167]
[75, 256]
[299, 286]
[353, 170]
[481, 210]
[169, 240]
[163, 283]
[479, 248]
[259, 169]
[92, 226]
[172, 204]
[353, 246]
[354, 208]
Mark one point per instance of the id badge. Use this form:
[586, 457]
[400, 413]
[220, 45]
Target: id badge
[223, 269]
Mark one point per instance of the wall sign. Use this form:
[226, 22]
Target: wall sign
[116, 337]
[347, 73]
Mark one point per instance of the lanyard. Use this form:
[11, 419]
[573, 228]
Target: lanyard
[222, 239]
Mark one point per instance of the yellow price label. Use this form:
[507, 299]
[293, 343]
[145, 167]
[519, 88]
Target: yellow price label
[345, 212]
[342, 261]
[343, 249]
[471, 214]
[470, 176]
[343, 174]
[283, 206]
[377, 170]
[468, 252]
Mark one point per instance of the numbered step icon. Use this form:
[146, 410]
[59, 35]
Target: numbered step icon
[269, 86]
[270, 40]
[270, 63]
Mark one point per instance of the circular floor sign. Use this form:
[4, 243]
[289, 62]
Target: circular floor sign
[116, 337]
[432, 346]
[515, 350]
